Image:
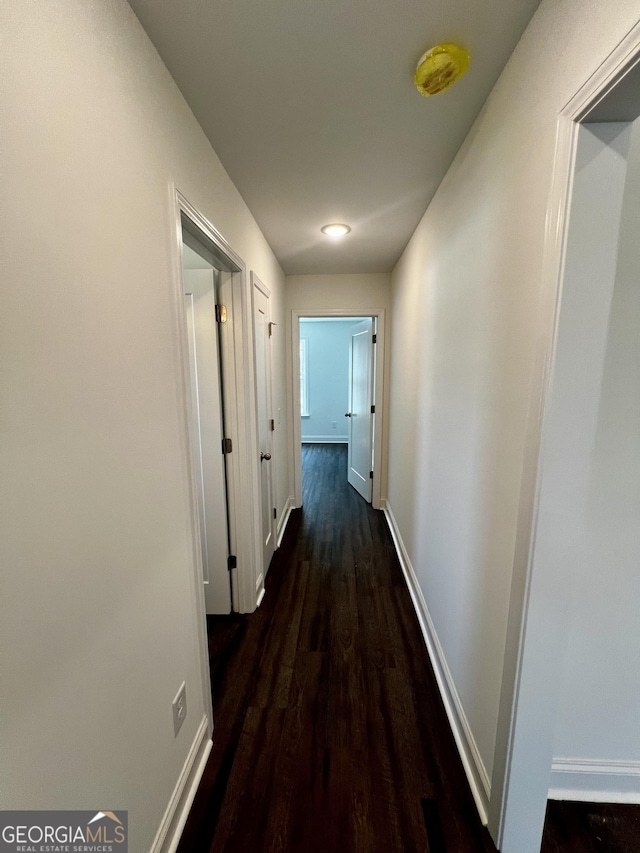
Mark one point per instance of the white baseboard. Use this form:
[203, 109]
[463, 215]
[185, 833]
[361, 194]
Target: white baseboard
[325, 439]
[474, 768]
[595, 780]
[168, 835]
[284, 520]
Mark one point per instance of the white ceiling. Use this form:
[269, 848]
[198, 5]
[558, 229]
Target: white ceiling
[311, 107]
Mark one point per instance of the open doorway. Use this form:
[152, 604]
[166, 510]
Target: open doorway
[337, 356]
[597, 754]
[337, 393]
[572, 736]
[213, 299]
[596, 757]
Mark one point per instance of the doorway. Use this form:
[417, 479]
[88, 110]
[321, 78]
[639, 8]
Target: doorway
[201, 286]
[337, 391]
[568, 728]
[215, 277]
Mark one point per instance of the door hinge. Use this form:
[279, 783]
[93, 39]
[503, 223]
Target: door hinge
[232, 562]
[374, 339]
[227, 445]
[271, 325]
[221, 313]
[275, 513]
[373, 410]
[371, 475]
[272, 425]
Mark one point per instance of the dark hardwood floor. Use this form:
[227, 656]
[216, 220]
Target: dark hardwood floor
[329, 731]
[591, 828]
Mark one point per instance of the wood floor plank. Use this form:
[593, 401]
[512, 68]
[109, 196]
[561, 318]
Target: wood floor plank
[274, 676]
[572, 827]
[330, 734]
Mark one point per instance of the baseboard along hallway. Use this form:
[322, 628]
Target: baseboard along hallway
[330, 734]
[329, 730]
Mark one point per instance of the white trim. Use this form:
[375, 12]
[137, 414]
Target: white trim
[264, 290]
[325, 439]
[295, 428]
[474, 768]
[604, 78]
[284, 520]
[239, 410]
[258, 285]
[620, 62]
[595, 780]
[176, 814]
[249, 537]
[260, 597]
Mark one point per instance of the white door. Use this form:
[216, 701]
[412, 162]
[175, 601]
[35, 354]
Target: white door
[361, 376]
[261, 318]
[206, 432]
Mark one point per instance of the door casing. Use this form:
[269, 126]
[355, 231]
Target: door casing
[207, 431]
[265, 445]
[361, 431]
[239, 405]
[532, 668]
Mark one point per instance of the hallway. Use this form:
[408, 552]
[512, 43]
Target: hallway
[509, 467]
[329, 731]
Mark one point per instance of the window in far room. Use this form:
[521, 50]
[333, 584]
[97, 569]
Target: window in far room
[304, 378]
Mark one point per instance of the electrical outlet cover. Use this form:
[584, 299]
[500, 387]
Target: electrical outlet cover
[179, 706]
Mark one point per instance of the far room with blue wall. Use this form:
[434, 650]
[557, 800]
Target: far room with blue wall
[324, 368]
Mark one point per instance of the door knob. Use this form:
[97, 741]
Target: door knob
[347, 414]
[265, 456]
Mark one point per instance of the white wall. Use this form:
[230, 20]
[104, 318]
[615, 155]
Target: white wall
[466, 309]
[597, 737]
[328, 346]
[99, 621]
[360, 293]
[319, 292]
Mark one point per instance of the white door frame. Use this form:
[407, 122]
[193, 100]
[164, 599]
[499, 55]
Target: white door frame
[537, 629]
[207, 431]
[257, 284]
[361, 480]
[236, 342]
[379, 390]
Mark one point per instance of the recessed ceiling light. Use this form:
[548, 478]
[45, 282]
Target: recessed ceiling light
[335, 229]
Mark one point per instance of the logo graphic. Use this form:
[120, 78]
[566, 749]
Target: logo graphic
[111, 815]
[64, 832]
